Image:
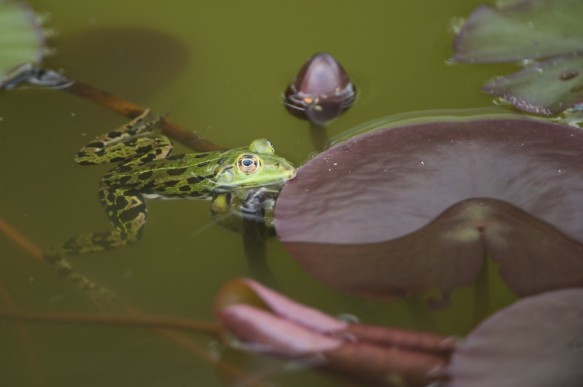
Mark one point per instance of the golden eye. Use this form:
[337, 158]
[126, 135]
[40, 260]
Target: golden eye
[248, 164]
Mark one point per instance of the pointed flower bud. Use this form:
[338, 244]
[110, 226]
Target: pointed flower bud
[321, 91]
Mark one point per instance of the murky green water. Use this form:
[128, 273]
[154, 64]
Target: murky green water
[218, 68]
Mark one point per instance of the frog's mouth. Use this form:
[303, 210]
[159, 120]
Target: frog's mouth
[289, 172]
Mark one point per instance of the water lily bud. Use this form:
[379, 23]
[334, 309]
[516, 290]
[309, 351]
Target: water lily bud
[321, 91]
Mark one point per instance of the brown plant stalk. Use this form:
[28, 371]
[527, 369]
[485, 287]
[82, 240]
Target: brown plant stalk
[165, 327]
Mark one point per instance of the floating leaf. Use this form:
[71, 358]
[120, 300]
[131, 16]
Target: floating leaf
[21, 36]
[523, 29]
[536, 342]
[420, 205]
[544, 88]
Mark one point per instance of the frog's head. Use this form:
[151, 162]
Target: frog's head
[255, 166]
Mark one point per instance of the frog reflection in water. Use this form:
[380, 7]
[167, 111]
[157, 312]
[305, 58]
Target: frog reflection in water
[228, 177]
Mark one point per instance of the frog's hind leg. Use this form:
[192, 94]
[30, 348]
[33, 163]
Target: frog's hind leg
[100, 295]
[128, 142]
[127, 212]
[83, 244]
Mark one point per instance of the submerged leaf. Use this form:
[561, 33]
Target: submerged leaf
[536, 342]
[419, 206]
[524, 29]
[21, 36]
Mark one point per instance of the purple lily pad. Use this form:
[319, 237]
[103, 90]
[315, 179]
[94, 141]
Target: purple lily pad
[524, 29]
[420, 206]
[544, 88]
[536, 342]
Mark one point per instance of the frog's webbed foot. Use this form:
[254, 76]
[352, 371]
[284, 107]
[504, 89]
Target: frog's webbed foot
[98, 294]
[85, 244]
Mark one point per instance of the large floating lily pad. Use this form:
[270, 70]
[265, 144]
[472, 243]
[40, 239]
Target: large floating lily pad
[21, 36]
[420, 206]
[536, 342]
[544, 88]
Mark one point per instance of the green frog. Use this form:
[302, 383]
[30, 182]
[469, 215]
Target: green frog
[146, 170]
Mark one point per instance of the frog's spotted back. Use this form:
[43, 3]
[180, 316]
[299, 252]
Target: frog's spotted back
[146, 170]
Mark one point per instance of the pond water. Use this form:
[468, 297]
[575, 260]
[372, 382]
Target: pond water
[218, 68]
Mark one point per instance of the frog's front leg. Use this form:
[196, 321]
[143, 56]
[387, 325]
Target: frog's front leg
[127, 211]
[231, 208]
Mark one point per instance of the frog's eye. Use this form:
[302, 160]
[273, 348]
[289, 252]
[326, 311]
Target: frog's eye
[248, 164]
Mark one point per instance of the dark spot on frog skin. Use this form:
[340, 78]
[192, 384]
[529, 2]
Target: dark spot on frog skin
[124, 180]
[85, 162]
[193, 179]
[143, 149]
[95, 144]
[176, 171]
[576, 89]
[184, 188]
[147, 158]
[221, 161]
[146, 186]
[203, 164]
[145, 175]
[117, 159]
[170, 183]
[124, 168]
[132, 213]
[111, 197]
[121, 202]
[114, 134]
[201, 155]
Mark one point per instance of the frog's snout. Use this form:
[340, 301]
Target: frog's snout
[289, 171]
[292, 172]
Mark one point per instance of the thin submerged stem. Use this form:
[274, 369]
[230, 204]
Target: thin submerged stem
[482, 294]
[136, 321]
[170, 331]
[319, 137]
[30, 74]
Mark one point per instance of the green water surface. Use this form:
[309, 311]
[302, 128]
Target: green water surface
[219, 68]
